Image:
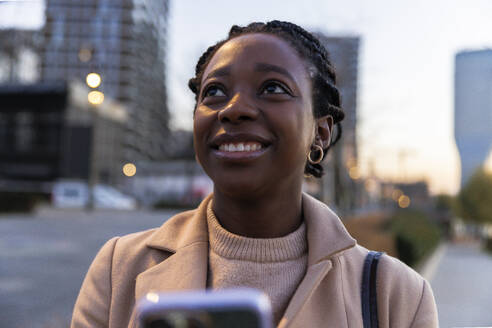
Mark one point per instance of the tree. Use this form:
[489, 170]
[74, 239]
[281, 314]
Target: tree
[475, 198]
[444, 203]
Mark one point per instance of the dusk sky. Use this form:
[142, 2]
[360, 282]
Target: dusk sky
[406, 68]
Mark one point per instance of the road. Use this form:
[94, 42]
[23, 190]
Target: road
[462, 286]
[44, 257]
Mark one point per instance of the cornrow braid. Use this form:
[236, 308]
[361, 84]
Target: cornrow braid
[326, 97]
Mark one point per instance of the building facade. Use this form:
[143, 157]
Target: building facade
[473, 109]
[19, 59]
[50, 132]
[338, 188]
[124, 41]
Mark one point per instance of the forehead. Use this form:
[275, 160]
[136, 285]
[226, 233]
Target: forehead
[250, 49]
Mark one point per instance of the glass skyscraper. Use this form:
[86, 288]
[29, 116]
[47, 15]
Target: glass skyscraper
[473, 109]
[124, 41]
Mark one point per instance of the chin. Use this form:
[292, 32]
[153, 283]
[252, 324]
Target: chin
[241, 189]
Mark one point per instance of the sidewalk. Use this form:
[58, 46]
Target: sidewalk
[461, 278]
[429, 268]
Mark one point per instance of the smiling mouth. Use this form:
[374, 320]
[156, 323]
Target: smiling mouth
[241, 147]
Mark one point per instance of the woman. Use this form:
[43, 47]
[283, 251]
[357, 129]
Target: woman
[266, 105]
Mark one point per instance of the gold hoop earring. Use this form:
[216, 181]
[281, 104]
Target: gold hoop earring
[320, 158]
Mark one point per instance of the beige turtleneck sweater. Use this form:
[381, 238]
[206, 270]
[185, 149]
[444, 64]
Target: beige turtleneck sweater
[275, 266]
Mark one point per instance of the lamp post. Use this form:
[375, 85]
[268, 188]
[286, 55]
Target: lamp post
[95, 98]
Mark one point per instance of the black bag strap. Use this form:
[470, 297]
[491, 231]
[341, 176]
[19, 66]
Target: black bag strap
[368, 291]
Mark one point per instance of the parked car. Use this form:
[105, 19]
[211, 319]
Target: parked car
[75, 194]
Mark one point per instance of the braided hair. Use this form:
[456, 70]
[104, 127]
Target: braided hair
[326, 97]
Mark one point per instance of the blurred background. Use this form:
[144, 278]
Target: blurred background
[96, 140]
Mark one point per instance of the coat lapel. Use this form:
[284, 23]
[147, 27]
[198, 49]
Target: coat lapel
[309, 283]
[326, 237]
[186, 268]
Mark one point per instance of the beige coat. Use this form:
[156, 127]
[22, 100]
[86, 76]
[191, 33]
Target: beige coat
[174, 257]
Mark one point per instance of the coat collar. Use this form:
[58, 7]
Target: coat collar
[186, 236]
[326, 234]
[182, 230]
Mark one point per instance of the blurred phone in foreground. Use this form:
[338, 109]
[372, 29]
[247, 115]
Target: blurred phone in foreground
[239, 308]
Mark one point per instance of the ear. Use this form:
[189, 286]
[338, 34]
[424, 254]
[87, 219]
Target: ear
[324, 127]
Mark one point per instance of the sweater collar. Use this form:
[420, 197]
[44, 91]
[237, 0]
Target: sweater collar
[326, 234]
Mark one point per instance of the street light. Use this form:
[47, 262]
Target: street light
[129, 169]
[404, 201]
[85, 55]
[93, 80]
[95, 97]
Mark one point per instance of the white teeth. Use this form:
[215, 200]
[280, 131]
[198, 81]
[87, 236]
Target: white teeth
[241, 146]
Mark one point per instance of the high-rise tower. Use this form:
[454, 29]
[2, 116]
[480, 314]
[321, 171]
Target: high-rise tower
[473, 109]
[124, 41]
[339, 187]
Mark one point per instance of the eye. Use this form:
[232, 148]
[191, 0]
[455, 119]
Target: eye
[274, 88]
[213, 91]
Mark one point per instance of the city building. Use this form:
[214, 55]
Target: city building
[124, 41]
[19, 59]
[337, 187]
[473, 109]
[51, 131]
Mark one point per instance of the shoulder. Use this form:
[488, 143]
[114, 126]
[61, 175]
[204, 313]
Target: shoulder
[393, 276]
[139, 244]
[396, 278]
[108, 289]
[402, 290]
[134, 247]
[405, 298]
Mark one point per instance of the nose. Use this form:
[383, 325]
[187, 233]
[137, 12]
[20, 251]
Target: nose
[237, 110]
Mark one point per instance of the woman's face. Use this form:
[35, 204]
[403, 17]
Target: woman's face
[253, 124]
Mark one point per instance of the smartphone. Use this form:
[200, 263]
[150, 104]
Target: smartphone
[238, 308]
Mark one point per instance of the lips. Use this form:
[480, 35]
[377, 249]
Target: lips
[242, 146]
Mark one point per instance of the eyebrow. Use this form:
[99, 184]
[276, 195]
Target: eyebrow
[262, 67]
[221, 71]
[259, 67]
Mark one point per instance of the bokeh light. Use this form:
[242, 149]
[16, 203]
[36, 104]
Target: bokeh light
[371, 185]
[396, 194]
[93, 80]
[404, 201]
[95, 97]
[354, 173]
[129, 169]
[85, 55]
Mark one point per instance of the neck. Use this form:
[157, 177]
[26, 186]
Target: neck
[266, 215]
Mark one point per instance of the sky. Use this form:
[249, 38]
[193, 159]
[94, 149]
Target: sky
[406, 68]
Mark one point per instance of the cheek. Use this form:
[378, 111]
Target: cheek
[299, 132]
[204, 125]
[306, 126]
[200, 129]
[203, 118]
